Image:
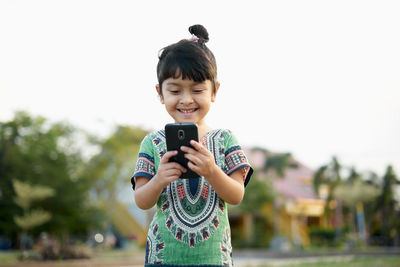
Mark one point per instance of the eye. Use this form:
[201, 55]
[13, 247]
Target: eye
[198, 90]
[173, 91]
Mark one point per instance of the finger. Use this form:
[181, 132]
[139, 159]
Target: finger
[194, 159]
[199, 147]
[175, 165]
[193, 167]
[173, 178]
[187, 149]
[173, 172]
[168, 155]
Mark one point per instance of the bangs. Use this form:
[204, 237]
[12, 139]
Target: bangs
[183, 63]
[185, 69]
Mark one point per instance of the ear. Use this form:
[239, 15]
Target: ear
[214, 94]
[159, 93]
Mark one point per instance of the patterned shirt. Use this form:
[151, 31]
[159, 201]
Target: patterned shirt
[190, 226]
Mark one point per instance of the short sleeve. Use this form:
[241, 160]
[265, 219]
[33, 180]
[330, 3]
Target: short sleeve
[145, 166]
[235, 158]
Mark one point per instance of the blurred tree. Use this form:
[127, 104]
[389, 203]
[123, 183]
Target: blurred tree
[386, 207]
[26, 195]
[275, 167]
[330, 176]
[259, 192]
[111, 169]
[278, 163]
[37, 152]
[354, 193]
[355, 190]
[113, 165]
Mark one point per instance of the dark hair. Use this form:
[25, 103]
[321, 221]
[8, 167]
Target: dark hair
[190, 59]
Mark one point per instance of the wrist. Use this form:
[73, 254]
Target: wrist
[158, 182]
[213, 173]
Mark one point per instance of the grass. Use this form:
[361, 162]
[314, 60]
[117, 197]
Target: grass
[384, 261]
[9, 257]
[135, 255]
[100, 257]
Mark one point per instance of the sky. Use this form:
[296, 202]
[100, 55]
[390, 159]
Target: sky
[313, 78]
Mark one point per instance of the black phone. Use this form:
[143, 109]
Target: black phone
[177, 135]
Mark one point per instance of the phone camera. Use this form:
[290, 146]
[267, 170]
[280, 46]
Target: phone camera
[181, 134]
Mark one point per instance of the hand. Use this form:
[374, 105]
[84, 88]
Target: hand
[200, 159]
[168, 171]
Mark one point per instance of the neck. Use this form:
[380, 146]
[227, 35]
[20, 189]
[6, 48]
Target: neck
[203, 129]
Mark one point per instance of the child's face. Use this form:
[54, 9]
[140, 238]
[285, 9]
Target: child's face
[187, 100]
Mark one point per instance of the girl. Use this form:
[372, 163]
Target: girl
[191, 224]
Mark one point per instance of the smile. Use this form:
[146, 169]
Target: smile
[187, 110]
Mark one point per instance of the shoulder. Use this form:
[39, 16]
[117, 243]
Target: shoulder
[154, 136]
[223, 133]
[227, 134]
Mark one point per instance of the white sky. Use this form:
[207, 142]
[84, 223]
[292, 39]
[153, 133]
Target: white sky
[314, 78]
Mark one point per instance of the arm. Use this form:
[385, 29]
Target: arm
[147, 191]
[229, 188]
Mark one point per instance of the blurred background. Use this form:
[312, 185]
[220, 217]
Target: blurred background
[310, 88]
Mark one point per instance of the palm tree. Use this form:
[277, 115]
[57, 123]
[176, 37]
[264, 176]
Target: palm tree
[275, 167]
[354, 193]
[330, 176]
[386, 204]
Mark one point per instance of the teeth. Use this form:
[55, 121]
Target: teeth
[187, 110]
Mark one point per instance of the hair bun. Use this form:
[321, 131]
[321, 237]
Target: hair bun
[200, 32]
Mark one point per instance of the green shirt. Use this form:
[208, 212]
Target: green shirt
[190, 226]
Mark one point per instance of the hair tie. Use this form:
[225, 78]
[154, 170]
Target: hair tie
[194, 38]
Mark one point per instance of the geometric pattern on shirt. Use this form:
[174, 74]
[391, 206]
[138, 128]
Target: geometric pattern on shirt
[145, 165]
[234, 160]
[226, 249]
[193, 218]
[154, 246]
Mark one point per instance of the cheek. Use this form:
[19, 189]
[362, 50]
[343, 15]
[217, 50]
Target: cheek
[170, 102]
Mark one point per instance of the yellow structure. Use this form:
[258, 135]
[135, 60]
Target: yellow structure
[126, 224]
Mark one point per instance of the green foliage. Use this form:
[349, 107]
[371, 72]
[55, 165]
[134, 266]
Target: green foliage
[112, 167]
[26, 195]
[319, 178]
[258, 193]
[36, 152]
[322, 236]
[355, 191]
[32, 219]
[386, 206]
[279, 163]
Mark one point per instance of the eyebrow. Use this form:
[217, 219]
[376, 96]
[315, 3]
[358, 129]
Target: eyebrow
[173, 83]
[179, 84]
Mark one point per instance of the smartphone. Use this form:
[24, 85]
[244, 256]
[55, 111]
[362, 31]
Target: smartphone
[177, 135]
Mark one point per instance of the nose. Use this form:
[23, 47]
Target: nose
[186, 98]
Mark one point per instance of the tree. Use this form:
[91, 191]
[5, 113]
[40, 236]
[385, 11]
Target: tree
[386, 206]
[112, 168]
[258, 193]
[278, 163]
[330, 176]
[37, 152]
[113, 165]
[354, 193]
[26, 195]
